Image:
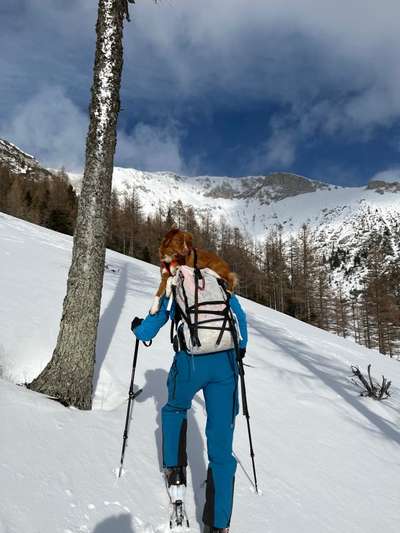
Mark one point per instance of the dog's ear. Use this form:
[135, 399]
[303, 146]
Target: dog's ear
[168, 237]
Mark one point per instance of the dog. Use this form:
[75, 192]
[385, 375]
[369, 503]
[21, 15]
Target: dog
[176, 249]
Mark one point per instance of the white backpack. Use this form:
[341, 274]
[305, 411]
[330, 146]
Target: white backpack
[203, 317]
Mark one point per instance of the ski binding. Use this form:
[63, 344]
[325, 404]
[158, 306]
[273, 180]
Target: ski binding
[178, 521]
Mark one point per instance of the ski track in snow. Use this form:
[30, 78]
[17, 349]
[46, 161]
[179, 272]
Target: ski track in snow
[327, 460]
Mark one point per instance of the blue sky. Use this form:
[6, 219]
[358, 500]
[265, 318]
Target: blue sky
[233, 87]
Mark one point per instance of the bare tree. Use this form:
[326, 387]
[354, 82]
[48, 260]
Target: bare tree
[68, 376]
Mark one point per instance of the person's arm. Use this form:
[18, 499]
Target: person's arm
[241, 318]
[152, 324]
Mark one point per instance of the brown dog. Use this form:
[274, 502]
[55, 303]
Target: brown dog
[177, 249]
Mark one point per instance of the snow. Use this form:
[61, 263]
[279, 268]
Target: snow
[327, 459]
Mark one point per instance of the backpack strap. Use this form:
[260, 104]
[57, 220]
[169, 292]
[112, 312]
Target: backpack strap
[174, 320]
[197, 276]
[175, 336]
[186, 316]
[226, 311]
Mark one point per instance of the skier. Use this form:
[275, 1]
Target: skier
[216, 374]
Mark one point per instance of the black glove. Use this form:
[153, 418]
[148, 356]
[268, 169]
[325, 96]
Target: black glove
[136, 322]
[242, 353]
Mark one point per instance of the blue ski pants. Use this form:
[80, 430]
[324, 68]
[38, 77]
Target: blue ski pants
[217, 376]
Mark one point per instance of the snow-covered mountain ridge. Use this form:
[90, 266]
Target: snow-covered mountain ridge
[15, 158]
[252, 203]
[327, 459]
[256, 203]
[343, 218]
[19, 162]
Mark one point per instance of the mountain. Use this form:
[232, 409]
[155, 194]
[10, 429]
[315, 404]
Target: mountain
[255, 203]
[344, 219]
[17, 161]
[327, 459]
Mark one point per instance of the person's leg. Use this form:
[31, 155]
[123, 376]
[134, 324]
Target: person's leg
[182, 386]
[221, 405]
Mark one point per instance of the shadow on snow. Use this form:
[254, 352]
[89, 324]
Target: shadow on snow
[332, 375]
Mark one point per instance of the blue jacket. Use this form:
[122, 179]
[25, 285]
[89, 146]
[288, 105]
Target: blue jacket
[152, 324]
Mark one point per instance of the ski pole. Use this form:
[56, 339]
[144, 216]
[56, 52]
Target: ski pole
[244, 399]
[132, 396]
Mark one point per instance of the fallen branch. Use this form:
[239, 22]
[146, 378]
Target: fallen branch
[371, 388]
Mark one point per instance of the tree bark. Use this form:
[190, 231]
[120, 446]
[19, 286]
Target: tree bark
[69, 374]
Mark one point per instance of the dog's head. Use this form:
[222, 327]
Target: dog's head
[176, 242]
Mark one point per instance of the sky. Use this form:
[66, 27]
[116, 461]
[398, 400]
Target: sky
[227, 87]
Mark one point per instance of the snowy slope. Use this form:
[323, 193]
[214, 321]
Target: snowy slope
[327, 459]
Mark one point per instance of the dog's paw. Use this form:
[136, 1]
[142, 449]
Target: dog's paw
[156, 306]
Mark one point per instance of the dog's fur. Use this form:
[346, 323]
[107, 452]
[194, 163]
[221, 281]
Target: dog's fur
[176, 249]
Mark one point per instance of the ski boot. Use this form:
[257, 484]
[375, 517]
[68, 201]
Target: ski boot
[176, 483]
[208, 529]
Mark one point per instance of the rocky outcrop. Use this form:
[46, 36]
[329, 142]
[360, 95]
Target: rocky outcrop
[18, 162]
[266, 189]
[381, 186]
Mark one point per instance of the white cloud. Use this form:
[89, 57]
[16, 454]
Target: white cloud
[151, 148]
[390, 175]
[51, 127]
[279, 152]
[332, 66]
[297, 53]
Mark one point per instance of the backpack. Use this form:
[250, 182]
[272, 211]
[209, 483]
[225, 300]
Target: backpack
[203, 318]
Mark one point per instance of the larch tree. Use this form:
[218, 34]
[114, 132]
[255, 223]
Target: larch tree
[68, 376]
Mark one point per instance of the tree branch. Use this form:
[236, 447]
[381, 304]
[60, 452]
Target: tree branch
[371, 389]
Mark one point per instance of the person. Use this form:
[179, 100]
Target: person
[216, 374]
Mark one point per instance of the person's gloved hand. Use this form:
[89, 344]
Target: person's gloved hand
[136, 322]
[242, 353]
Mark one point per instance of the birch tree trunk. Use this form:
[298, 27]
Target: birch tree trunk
[69, 374]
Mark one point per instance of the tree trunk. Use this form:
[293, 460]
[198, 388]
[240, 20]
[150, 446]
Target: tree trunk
[68, 376]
